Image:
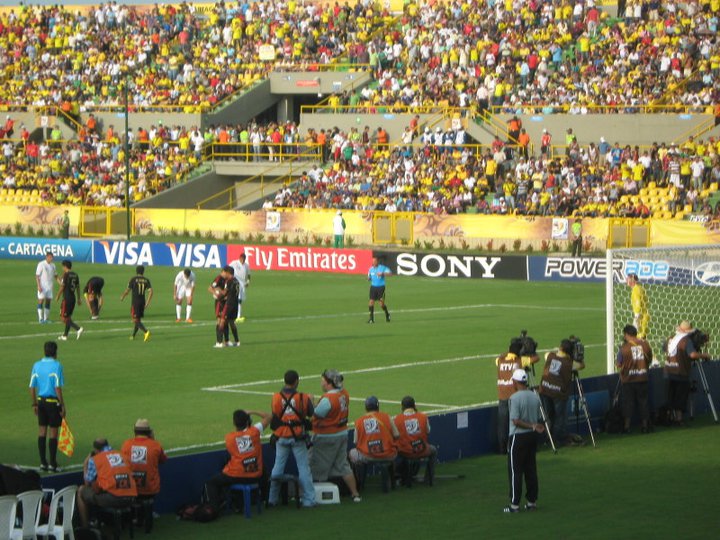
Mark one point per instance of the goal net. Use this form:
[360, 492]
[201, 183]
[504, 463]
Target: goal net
[680, 283]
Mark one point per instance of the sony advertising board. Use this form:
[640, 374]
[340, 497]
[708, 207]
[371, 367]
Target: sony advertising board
[455, 265]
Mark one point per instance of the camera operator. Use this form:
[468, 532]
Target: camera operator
[555, 387]
[506, 364]
[633, 360]
[681, 351]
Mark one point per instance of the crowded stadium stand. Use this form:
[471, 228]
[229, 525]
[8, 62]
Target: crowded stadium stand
[442, 107]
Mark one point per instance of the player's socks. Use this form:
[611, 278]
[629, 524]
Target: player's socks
[372, 313]
[188, 312]
[53, 446]
[67, 328]
[218, 334]
[95, 308]
[74, 325]
[387, 313]
[141, 326]
[41, 449]
[178, 311]
[234, 330]
[40, 313]
[226, 334]
[135, 330]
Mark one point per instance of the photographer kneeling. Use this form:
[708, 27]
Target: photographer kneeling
[555, 387]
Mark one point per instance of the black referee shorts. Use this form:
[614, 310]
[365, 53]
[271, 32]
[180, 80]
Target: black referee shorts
[49, 413]
[377, 293]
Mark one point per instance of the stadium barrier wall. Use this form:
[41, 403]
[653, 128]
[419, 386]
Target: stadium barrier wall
[457, 434]
[456, 231]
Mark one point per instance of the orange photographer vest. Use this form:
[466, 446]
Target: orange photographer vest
[506, 364]
[301, 403]
[374, 436]
[413, 441]
[337, 419]
[114, 476]
[144, 455]
[636, 357]
[557, 375]
[245, 452]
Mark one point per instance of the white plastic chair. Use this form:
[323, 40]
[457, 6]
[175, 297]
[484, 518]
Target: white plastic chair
[66, 497]
[30, 501]
[8, 505]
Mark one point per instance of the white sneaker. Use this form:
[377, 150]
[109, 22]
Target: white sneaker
[62, 338]
[218, 346]
[79, 332]
[94, 317]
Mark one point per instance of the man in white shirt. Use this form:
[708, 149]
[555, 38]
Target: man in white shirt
[339, 230]
[184, 288]
[242, 274]
[45, 277]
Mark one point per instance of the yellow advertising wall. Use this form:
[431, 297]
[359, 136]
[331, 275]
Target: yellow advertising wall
[682, 233]
[504, 229]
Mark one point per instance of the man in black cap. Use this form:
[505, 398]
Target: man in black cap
[524, 424]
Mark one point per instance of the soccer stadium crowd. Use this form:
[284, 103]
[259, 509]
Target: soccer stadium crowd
[559, 56]
[77, 60]
[444, 178]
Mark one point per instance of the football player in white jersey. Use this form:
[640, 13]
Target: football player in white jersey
[183, 289]
[242, 274]
[45, 277]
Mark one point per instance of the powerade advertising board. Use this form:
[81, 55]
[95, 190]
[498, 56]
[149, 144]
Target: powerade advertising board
[35, 248]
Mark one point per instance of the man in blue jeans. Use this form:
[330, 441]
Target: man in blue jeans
[291, 412]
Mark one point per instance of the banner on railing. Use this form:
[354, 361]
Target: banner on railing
[35, 248]
[304, 259]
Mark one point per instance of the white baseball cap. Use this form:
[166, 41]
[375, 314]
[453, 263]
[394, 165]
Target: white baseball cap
[520, 376]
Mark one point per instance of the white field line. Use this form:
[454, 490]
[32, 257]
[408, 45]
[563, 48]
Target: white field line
[335, 315]
[270, 393]
[89, 329]
[231, 387]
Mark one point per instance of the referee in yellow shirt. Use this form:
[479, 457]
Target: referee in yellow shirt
[639, 304]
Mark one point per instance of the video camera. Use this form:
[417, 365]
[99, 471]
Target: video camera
[578, 354]
[528, 346]
[699, 339]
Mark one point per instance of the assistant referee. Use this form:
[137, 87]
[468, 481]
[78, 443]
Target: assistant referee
[46, 382]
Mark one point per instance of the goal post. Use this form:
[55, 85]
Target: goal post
[681, 283]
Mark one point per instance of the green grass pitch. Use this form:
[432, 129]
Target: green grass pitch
[439, 347]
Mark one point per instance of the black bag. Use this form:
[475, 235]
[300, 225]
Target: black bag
[614, 421]
[202, 513]
[14, 480]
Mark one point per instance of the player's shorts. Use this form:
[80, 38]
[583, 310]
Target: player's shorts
[219, 308]
[95, 287]
[230, 312]
[67, 307]
[46, 293]
[377, 293]
[137, 310]
[49, 412]
[183, 292]
[241, 293]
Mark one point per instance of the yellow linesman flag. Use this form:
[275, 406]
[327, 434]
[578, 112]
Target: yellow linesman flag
[66, 441]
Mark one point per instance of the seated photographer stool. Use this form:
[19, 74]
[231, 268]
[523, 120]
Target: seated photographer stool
[285, 480]
[326, 493]
[117, 515]
[387, 472]
[247, 490]
[143, 507]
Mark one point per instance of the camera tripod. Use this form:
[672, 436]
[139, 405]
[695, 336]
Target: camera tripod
[534, 388]
[706, 389]
[580, 400]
